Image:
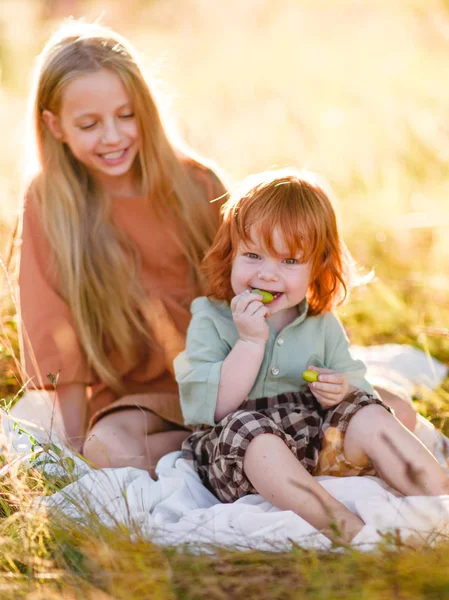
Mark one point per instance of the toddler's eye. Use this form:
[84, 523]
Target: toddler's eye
[252, 255]
[129, 116]
[291, 261]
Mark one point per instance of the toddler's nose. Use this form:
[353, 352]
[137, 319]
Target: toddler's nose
[268, 274]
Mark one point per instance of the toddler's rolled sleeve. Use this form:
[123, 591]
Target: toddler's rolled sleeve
[197, 371]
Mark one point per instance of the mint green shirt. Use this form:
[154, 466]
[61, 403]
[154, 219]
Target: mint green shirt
[320, 341]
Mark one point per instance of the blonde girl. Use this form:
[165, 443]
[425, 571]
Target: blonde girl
[263, 429]
[115, 224]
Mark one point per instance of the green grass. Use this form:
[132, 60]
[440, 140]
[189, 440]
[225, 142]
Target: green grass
[354, 90]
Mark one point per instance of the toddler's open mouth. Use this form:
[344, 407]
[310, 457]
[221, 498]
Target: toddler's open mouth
[275, 294]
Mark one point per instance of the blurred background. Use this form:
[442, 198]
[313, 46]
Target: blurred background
[356, 90]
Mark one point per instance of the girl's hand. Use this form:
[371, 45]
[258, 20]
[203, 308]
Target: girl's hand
[249, 316]
[331, 387]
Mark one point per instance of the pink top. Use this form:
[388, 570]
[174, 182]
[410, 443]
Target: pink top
[48, 338]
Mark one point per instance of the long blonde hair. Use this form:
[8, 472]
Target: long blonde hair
[96, 266]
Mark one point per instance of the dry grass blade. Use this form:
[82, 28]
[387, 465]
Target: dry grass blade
[442, 332]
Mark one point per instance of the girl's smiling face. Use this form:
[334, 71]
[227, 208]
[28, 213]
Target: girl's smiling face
[284, 275]
[97, 123]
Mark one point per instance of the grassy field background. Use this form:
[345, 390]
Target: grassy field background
[357, 91]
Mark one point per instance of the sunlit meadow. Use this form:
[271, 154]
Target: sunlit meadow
[358, 91]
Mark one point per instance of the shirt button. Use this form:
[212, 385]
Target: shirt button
[279, 341]
[275, 371]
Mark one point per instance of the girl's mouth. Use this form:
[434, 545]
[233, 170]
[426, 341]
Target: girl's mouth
[114, 158]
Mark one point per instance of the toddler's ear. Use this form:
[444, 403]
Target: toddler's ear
[54, 125]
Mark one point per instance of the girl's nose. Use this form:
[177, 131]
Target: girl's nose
[110, 133]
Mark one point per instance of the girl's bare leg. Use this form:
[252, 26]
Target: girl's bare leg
[398, 456]
[402, 405]
[273, 470]
[132, 438]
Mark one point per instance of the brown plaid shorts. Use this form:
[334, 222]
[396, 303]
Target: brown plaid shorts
[314, 435]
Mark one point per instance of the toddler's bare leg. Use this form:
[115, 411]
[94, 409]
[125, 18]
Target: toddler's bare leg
[398, 456]
[273, 470]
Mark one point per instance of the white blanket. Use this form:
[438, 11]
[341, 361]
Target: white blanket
[178, 509]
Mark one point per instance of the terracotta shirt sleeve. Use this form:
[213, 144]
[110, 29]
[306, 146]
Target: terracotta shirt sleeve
[48, 340]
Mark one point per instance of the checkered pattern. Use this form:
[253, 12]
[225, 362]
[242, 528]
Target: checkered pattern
[217, 453]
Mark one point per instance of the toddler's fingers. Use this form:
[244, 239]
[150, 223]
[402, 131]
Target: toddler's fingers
[335, 378]
[233, 304]
[323, 400]
[262, 311]
[239, 302]
[327, 388]
[254, 308]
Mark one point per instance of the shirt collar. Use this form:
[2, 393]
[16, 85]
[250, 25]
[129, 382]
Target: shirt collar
[302, 309]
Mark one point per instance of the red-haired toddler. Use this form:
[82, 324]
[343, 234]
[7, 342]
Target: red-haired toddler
[264, 430]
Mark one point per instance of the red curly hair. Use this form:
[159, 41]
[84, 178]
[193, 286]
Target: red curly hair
[296, 204]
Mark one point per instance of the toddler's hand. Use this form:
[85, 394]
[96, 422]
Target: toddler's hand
[331, 387]
[249, 316]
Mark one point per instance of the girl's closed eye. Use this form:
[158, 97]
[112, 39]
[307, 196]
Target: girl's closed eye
[87, 126]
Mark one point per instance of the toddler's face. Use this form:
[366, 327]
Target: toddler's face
[98, 124]
[284, 276]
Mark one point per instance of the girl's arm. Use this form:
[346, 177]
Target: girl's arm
[48, 340]
[72, 402]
